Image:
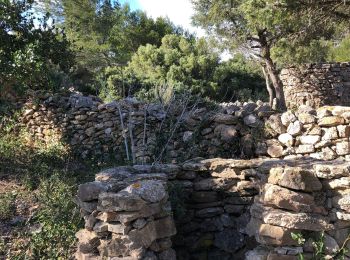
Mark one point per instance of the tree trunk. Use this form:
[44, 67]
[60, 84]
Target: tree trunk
[270, 90]
[271, 70]
[277, 84]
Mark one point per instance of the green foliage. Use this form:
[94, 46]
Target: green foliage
[320, 247]
[28, 51]
[341, 52]
[58, 219]
[287, 53]
[295, 31]
[7, 205]
[191, 65]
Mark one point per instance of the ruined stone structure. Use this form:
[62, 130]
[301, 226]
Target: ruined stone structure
[230, 208]
[138, 132]
[278, 174]
[317, 85]
[223, 209]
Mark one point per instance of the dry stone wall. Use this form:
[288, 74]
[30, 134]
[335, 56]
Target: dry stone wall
[223, 209]
[321, 133]
[317, 85]
[133, 131]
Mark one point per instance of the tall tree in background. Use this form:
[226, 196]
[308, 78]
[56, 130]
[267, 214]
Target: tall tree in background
[257, 26]
[104, 32]
[28, 51]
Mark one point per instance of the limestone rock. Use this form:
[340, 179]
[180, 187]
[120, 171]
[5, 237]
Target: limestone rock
[331, 171]
[304, 221]
[275, 235]
[275, 150]
[342, 148]
[331, 121]
[310, 139]
[274, 125]
[287, 118]
[149, 190]
[225, 119]
[306, 118]
[305, 148]
[122, 201]
[294, 128]
[343, 131]
[295, 178]
[91, 190]
[187, 136]
[286, 139]
[280, 197]
[252, 120]
[226, 132]
[330, 133]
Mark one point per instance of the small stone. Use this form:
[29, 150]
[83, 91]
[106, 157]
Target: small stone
[90, 191]
[118, 228]
[226, 132]
[310, 139]
[274, 125]
[229, 240]
[287, 118]
[330, 133]
[343, 131]
[331, 121]
[122, 201]
[274, 235]
[225, 119]
[275, 150]
[168, 254]
[342, 148]
[204, 196]
[139, 223]
[305, 148]
[306, 118]
[331, 245]
[286, 139]
[100, 227]
[252, 120]
[187, 136]
[294, 128]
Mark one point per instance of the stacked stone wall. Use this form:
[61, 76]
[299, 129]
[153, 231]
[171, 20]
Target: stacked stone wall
[321, 133]
[223, 209]
[317, 85]
[137, 132]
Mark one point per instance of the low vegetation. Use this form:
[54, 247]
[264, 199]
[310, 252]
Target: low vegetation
[38, 183]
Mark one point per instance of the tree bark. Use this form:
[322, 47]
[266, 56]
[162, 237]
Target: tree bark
[277, 84]
[270, 90]
[272, 70]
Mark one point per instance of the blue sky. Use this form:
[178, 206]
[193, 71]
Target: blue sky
[178, 11]
[134, 4]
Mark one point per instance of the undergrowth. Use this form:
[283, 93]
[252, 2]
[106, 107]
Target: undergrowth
[37, 215]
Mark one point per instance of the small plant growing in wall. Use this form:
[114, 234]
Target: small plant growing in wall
[320, 247]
